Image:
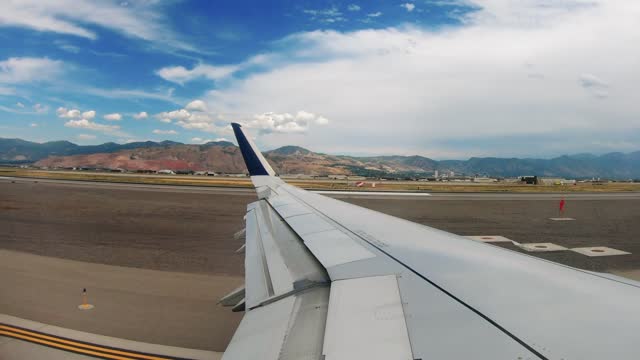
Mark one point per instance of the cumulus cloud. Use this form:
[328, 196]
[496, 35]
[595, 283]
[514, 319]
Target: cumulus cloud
[164, 132]
[68, 113]
[181, 75]
[195, 117]
[18, 70]
[85, 137]
[408, 6]
[112, 117]
[426, 91]
[33, 125]
[203, 122]
[89, 114]
[168, 116]
[375, 14]
[82, 120]
[20, 105]
[285, 123]
[195, 120]
[196, 105]
[141, 115]
[353, 7]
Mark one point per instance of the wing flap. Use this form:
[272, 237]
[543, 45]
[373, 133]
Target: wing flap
[290, 328]
[366, 321]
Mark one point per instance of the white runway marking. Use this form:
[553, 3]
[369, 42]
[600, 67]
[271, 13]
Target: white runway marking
[542, 247]
[599, 251]
[562, 219]
[489, 238]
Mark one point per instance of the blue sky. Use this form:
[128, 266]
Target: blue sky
[445, 78]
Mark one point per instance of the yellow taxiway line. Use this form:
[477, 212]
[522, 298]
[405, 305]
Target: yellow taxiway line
[79, 347]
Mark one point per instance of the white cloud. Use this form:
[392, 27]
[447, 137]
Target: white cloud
[20, 105]
[408, 6]
[7, 90]
[433, 91]
[199, 140]
[329, 15]
[375, 14]
[126, 93]
[164, 132]
[33, 125]
[196, 105]
[353, 7]
[68, 113]
[204, 122]
[89, 114]
[112, 117]
[180, 114]
[27, 69]
[85, 137]
[68, 47]
[141, 115]
[82, 120]
[90, 125]
[180, 74]
[285, 122]
[141, 19]
[196, 119]
[40, 109]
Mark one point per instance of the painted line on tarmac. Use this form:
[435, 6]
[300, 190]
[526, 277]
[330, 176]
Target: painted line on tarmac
[75, 346]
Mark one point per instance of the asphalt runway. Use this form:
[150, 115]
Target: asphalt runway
[187, 233]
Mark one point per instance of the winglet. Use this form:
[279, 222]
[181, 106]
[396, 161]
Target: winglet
[256, 163]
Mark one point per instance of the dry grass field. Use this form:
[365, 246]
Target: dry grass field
[190, 180]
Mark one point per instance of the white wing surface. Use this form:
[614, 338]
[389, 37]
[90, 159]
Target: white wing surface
[329, 280]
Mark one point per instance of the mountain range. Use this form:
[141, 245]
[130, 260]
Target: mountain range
[223, 156]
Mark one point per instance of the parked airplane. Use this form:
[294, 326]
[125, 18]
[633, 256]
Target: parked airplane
[329, 280]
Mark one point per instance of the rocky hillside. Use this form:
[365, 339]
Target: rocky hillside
[225, 157]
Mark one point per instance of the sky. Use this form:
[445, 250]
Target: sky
[446, 79]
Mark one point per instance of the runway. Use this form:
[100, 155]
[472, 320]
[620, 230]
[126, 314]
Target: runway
[158, 257]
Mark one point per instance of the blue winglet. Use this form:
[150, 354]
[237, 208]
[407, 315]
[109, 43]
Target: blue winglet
[256, 163]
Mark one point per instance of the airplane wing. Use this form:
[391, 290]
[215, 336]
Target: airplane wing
[329, 280]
